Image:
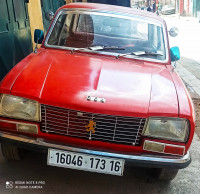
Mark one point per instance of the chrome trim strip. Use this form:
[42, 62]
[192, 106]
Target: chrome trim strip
[143, 158]
[108, 129]
[102, 12]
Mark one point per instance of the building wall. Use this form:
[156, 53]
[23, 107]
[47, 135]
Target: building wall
[190, 7]
[37, 20]
[196, 8]
[35, 17]
[15, 34]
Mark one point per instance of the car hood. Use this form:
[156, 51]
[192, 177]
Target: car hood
[130, 88]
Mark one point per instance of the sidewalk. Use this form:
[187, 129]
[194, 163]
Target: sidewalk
[191, 78]
[184, 18]
[189, 71]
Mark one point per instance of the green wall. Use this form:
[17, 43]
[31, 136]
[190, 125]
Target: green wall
[15, 36]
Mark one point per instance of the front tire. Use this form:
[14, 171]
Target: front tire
[11, 152]
[166, 174]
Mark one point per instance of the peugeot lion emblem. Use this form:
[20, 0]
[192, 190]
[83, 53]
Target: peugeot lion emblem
[91, 126]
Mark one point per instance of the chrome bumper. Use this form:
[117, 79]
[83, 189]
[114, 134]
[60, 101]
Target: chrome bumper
[138, 160]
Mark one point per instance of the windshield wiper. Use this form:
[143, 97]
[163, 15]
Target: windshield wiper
[141, 53]
[98, 48]
[104, 48]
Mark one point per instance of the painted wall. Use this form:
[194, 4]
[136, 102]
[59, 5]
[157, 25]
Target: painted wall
[181, 8]
[190, 7]
[35, 17]
[15, 34]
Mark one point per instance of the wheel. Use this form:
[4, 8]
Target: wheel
[163, 173]
[11, 152]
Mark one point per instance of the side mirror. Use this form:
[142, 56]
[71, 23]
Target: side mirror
[49, 15]
[38, 36]
[175, 53]
[173, 32]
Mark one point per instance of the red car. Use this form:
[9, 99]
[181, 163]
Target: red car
[100, 93]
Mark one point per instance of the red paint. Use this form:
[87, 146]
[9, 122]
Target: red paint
[131, 87]
[157, 4]
[129, 94]
[181, 8]
[174, 150]
[5, 126]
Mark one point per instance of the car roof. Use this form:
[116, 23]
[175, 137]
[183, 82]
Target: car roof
[105, 7]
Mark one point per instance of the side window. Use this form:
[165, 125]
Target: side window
[66, 30]
[61, 30]
[85, 24]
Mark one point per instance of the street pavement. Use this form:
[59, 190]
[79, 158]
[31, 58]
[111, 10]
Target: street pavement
[135, 180]
[67, 181]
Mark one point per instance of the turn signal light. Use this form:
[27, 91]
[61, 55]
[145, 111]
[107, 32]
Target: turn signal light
[154, 146]
[174, 150]
[27, 128]
[163, 148]
[18, 126]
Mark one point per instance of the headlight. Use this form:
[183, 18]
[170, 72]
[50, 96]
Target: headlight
[18, 107]
[174, 129]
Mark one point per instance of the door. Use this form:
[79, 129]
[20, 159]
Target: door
[6, 39]
[22, 34]
[15, 35]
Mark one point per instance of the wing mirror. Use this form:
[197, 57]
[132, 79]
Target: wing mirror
[175, 53]
[49, 15]
[38, 36]
[173, 32]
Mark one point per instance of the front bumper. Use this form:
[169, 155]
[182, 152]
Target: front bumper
[155, 161]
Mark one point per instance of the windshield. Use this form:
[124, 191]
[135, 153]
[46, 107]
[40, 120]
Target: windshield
[91, 29]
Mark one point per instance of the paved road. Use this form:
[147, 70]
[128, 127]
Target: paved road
[60, 180]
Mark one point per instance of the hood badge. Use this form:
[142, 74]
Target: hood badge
[96, 99]
[91, 126]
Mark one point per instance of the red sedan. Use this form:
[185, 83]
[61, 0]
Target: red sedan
[100, 93]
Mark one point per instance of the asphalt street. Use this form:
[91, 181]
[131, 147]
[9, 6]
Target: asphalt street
[21, 176]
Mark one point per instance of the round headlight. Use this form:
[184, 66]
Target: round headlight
[18, 107]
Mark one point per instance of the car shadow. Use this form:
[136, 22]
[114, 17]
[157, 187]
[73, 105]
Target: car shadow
[62, 180]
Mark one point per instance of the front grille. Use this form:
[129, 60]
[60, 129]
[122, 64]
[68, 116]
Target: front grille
[109, 128]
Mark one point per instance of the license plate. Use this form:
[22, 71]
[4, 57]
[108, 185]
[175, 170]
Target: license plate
[85, 162]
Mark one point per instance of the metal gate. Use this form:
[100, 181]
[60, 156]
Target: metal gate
[15, 36]
[50, 5]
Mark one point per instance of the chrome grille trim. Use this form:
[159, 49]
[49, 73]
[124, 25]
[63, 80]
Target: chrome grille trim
[109, 128]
